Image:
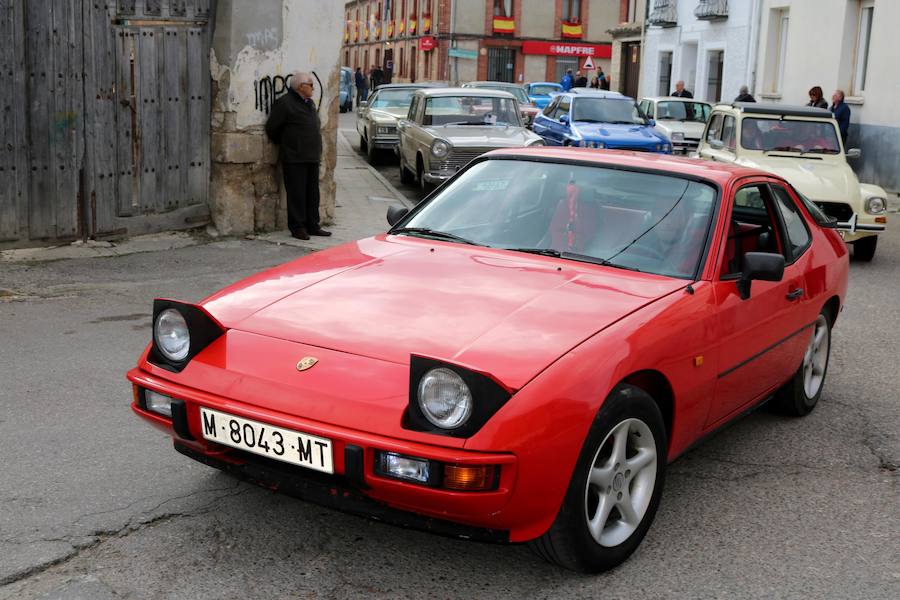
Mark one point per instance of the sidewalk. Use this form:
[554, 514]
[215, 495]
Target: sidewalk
[362, 198]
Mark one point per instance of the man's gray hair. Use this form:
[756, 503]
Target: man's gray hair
[841, 93]
[745, 89]
[298, 77]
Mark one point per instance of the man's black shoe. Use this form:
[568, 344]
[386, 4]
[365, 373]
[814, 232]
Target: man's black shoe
[320, 232]
[300, 234]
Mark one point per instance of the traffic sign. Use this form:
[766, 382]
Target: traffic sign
[588, 64]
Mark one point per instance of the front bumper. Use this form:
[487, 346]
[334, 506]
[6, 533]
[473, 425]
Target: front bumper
[354, 486]
[385, 142]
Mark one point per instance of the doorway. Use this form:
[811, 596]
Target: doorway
[631, 68]
[714, 67]
[502, 64]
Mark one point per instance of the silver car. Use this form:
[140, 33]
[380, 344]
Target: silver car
[376, 120]
[446, 128]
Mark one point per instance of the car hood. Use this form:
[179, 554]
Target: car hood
[388, 114]
[504, 313]
[690, 129]
[497, 136]
[824, 180]
[621, 133]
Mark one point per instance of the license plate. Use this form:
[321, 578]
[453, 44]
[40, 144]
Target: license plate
[287, 445]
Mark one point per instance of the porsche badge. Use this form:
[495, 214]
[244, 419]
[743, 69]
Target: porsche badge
[307, 362]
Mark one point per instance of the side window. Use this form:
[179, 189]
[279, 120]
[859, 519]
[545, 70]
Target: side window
[562, 109]
[714, 127]
[752, 228]
[728, 135]
[797, 234]
[548, 110]
[413, 109]
[645, 107]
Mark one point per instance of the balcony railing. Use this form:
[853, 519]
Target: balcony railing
[664, 13]
[711, 10]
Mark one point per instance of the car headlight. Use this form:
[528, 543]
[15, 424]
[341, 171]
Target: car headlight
[170, 331]
[440, 148]
[444, 398]
[677, 136]
[875, 206]
[666, 147]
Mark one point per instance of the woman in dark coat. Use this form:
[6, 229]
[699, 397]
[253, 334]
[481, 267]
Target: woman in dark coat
[816, 99]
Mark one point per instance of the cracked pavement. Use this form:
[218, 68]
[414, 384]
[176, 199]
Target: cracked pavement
[96, 504]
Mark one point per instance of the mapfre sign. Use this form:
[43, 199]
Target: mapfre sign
[567, 49]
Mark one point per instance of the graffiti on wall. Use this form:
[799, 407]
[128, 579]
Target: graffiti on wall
[268, 89]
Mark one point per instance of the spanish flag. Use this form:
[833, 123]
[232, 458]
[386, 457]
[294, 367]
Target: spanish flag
[401, 28]
[504, 25]
[572, 30]
[426, 24]
[412, 27]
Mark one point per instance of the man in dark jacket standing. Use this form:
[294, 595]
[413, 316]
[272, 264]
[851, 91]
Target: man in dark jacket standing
[744, 95]
[680, 92]
[841, 113]
[294, 125]
[362, 86]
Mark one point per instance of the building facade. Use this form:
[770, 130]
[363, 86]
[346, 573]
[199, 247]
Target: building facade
[855, 50]
[466, 40]
[709, 44]
[627, 48]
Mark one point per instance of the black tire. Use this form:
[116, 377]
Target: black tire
[343, 108]
[864, 248]
[372, 154]
[420, 175]
[569, 542]
[792, 398]
[363, 145]
[406, 176]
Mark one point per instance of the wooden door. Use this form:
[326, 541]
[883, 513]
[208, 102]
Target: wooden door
[631, 68]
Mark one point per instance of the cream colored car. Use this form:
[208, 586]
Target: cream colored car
[448, 127]
[376, 120]
[681, 119]
[802, 145]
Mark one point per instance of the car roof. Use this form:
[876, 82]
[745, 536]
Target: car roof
[596, 93]
[770, 108]
[489, 83]
[717, 172]
[461, 91]
[545, 83]
[673, 99]
[396, 86]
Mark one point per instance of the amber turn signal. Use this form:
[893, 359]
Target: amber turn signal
[470, 477]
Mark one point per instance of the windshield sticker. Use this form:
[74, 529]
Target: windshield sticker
[492, 185]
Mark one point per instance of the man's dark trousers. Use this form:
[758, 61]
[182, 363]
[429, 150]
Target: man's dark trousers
[301, 182]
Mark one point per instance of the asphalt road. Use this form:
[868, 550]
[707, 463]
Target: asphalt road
[96, 504]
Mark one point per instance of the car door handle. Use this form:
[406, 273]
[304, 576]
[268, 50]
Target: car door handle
[793, 295]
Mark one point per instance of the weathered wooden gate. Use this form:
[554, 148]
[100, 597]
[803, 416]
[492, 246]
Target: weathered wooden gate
[104, 117]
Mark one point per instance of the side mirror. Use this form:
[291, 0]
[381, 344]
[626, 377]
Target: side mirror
[716, 144]
[564, 119]
[764, 266]
[854, 153]
[651, 122]
[362, 104]
[395, 213]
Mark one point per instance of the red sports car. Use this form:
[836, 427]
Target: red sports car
[520, 356]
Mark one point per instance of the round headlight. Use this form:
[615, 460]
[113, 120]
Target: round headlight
[444, 398]
[875, 206]
[601, 145]
[677, 136]
[440, 148]
[171, 334]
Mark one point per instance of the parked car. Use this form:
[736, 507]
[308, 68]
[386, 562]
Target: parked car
[580, 320]
[448, 127]
[528, 109]
[540, 92]
[681, 119]
[346, 90]
[599, 119]
[803, 145]
[376, 120]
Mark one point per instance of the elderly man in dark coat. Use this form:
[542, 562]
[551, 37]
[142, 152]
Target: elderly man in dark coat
[294, 125]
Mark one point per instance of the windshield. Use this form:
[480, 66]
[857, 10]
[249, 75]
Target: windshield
[637, 221]
[470, 110]
[346, 77]
[393, 98]
[515, 90]
[695, 112]
[784, 135]
[607, 110]
[544, 89]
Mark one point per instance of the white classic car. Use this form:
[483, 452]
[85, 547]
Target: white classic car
[681, 119]
[803, 145]
[448, 127]
[376, 119]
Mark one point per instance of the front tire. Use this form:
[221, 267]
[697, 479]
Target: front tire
[800, 395]
[372, 154]
[615, 489]
[363, 145]
[864, 248]
[420, 174]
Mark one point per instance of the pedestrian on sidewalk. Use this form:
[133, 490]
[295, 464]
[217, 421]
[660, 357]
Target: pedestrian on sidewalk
[680, 92]
[841, 113]
[744, 95]
[580, 80]
[567, 81]
[362, 87]
[816, 98]
[294, 125]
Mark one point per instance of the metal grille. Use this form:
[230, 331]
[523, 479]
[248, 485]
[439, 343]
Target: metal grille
[501, 64]
[838, 210]
[460, 158]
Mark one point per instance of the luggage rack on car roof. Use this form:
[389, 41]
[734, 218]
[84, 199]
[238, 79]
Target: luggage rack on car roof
[756, 108]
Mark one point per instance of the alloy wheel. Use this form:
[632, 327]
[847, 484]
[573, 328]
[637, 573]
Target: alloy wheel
[816, 358]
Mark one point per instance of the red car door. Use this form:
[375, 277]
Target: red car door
[762, 338]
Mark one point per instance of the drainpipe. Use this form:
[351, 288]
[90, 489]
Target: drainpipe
[753, 46]
[644, 25]
[455, 75]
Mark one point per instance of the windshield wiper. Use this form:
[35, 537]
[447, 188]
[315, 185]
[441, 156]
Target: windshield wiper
[558, 254]
[465, 123]
[626, 123]
[425, 231]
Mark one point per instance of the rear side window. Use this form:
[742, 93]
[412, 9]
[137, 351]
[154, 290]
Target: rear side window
[728, 135]
[548, 111]
[715, 127]
[797, 233]
[561, 109]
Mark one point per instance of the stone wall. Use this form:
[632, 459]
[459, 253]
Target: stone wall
[255, 49]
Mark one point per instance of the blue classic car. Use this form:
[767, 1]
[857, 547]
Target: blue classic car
[599, 120]
[346, 89]
[540, 92]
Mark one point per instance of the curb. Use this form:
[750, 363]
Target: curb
[381, 178]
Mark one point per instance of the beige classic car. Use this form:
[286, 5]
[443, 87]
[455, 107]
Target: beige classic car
[376, 119]
[528, 109]
[446, 128]
[681, 119]
[802, 145]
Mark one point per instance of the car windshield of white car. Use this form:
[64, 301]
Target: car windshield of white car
[638, 221]
[470, 110]
[544, 90]
[607, 110]
[696, 112]
[393, 99]
[786, 135]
